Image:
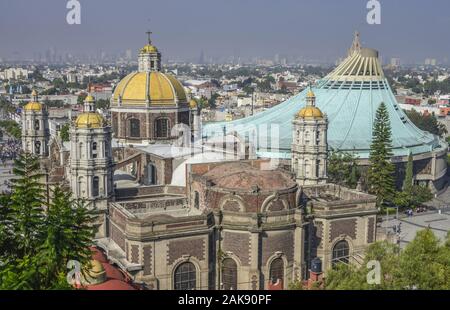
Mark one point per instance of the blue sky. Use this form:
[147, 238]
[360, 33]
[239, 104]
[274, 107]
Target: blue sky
[314, 29]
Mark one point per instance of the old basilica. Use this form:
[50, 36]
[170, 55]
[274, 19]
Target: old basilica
[199, 215]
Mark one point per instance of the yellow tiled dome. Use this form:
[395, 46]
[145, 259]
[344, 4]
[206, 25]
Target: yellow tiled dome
[310, 112]
[193, 104]
[33, 106]
[89, 98]
[159, 88]
[89, 120]
[149, 49]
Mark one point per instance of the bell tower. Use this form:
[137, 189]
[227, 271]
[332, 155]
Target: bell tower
[309, 144]
[91, 161]
[35, 132]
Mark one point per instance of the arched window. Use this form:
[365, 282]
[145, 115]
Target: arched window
[196, 200]
[229, 274]
[317, 168]
[151, 174]
[341, 253]
[307, 168]
[95, 187]
[162, 128]
[37, 147]
[81, 187]
[36, 125]
[276, 272]
[94, 149]
[80, 146]
[306, 137]
[135, 128]
[185, 277]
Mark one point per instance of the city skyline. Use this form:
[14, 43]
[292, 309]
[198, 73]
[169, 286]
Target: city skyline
[221, 30]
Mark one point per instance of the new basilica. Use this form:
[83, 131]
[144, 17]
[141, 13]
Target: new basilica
[201, 215]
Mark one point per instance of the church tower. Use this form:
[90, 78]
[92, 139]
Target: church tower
[35, 132]
[91, 160]
[309, 144]
[149, 57]
[195, 120]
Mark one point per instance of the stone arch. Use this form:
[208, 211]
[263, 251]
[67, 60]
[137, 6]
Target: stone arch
[269, 264]
[162, 127]
[232, 203]
[178, 263]
[268, 203]
[230, 272]
[336, 241]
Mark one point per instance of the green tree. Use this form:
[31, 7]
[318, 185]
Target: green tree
[342, 168]
[423, 264]
[27, 201]
[102, 104]
[81, 97]
[69, 234]
[45, 236]
[427, 122]
[64, 133]
[212, 102]
[12, 128]
[381, 170]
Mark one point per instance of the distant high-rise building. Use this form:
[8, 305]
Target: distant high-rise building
[201, 59]
[395, 62]
[430, 62]
[277, 59]
[128, 54]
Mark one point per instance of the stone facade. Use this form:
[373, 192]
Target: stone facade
[254, 222]
[35, 132]
[309, 145]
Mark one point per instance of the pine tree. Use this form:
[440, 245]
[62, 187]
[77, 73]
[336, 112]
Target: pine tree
[44, 237]
[381, 171]
[69, 235]
[27, 202]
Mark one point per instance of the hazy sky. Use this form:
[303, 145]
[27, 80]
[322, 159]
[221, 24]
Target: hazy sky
[314, 29]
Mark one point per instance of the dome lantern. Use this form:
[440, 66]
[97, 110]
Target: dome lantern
[310, 110]
[149, 57]
[34, 104]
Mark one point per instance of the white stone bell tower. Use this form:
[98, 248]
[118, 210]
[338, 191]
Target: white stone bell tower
[35, 132]
[91, 161]
[309, 144]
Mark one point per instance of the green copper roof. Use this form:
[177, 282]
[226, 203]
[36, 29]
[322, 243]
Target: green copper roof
[350, 96]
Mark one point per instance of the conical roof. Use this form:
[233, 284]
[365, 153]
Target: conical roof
[350, 96]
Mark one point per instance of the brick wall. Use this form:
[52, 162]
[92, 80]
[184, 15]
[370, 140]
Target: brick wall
[343, 227]
[147, 259]
[278, 241]
[135, 254]
[117, 236]
[371, 230]
[239, 244]
[178, 248]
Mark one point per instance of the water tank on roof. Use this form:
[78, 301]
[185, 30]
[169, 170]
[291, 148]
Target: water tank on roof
[316, 265]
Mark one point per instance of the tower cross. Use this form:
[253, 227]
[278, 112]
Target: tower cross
[148, 35]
